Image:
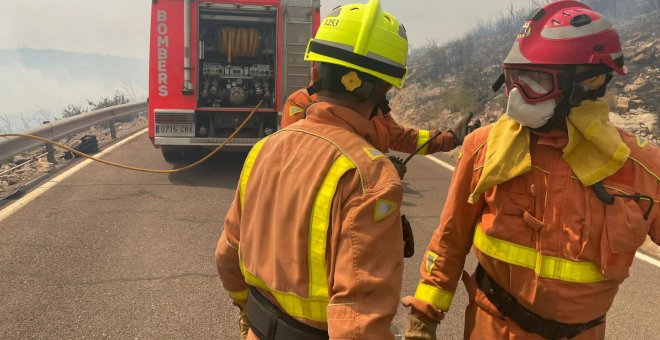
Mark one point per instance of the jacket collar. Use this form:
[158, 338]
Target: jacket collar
[337, 115]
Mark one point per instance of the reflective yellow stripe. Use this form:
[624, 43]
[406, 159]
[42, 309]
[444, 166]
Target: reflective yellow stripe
[318, 229]
[314, 309]
[315, 306]
[436, 296]
[422, 138]
[545, 266]
[238, 296]
[247, 168]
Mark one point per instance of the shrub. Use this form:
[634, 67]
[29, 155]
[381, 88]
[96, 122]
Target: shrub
[460, 100]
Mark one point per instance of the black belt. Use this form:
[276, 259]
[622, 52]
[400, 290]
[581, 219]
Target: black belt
[526, 319]
[268, 322]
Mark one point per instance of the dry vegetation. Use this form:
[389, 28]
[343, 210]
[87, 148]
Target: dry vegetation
[456, 77]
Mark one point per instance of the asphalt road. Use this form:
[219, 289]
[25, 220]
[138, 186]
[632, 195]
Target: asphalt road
[111, 253]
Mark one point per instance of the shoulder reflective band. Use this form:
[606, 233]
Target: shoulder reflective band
[238, 296]
[550, 267]
[436, 296]
[247, 168]
[423, 137]
[357, 59]
[294, 305]
[318, 229]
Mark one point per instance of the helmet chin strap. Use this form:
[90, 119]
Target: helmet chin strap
[385, 105]
[314, 88]
[577, 90]
[367, 91]
[382, 106]
[574, 95]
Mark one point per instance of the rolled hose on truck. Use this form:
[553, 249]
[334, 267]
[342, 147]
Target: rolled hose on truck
[238, 42]
[127, 167]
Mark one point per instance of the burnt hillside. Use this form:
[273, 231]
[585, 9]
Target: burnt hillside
[456, 77]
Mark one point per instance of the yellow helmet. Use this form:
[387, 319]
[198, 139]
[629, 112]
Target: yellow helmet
[365, 38]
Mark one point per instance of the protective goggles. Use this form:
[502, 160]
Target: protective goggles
[535, 83]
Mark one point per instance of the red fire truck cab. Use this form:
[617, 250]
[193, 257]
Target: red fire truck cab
[212, 61]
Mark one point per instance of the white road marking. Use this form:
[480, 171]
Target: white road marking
[441, 163]
[32, 195]
[648, 259]
[451, 168]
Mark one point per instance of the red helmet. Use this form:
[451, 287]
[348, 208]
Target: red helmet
[561, 33]
[567, 32]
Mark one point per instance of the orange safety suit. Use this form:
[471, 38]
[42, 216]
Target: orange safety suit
[391, 135]
[546, 239]
[326, 244]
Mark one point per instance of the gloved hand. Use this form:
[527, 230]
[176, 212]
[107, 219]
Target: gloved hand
[398, 164]
[243, 322]
[420, 328]
[461, 128]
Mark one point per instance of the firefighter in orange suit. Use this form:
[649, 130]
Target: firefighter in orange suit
[320, 255]
[391, 135]
[552, 197]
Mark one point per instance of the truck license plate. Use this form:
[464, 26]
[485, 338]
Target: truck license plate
[175, 130]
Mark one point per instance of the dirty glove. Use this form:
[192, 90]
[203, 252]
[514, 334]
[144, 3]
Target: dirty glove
[243, 322]
[398, 164]
[461, 128]
[419, 327]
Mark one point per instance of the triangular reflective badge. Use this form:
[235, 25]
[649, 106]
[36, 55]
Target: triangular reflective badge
[373, 153]
[294, 110]
[641, 142]
[430, 261]
[383, 209]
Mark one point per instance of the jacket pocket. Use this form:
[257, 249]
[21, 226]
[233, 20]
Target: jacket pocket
[624, 231]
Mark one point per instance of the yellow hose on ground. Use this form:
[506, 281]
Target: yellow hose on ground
[158, 171]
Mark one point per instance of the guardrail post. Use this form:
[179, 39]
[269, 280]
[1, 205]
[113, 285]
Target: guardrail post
[113, 130]
[50, 156]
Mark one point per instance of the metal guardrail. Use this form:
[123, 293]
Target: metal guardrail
[12, 146]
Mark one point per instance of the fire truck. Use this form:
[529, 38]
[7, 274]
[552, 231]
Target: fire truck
[212, 61]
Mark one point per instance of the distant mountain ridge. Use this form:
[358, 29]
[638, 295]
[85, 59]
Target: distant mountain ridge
[55, 62]
[48, 80]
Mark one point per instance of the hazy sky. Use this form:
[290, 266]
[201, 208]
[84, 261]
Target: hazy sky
[121, 27]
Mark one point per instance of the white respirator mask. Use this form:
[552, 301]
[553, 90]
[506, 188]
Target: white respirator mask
[528, 114]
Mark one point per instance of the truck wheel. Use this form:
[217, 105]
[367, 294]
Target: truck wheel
[171, 156]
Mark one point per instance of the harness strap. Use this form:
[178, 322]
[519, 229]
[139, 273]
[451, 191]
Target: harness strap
[268, 322]
[526, 319]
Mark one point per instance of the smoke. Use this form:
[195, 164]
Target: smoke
[41, 83]
[441, 21]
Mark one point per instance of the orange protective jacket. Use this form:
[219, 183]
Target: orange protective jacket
[391, 135]
[326, 244]
[572, 250]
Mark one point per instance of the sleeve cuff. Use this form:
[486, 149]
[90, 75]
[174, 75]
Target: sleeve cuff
[439, 298]
[423, 136]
